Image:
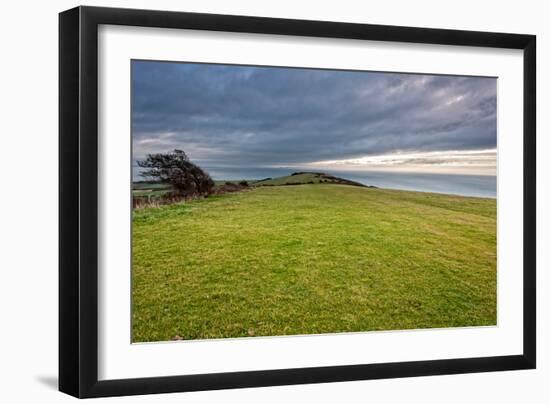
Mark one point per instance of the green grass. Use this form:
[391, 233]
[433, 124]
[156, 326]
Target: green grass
[149, 189]
[304, 178]
[150, 186]
[292, 179]
[152, 193]
[311, 259]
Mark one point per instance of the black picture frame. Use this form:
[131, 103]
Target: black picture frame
[78, 201]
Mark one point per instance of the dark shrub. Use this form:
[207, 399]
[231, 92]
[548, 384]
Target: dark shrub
[175, 168]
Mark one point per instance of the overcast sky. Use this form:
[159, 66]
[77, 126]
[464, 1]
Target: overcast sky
[239, 116]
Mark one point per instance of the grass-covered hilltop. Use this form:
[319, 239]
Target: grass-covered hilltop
[305, 177]
[324, 255]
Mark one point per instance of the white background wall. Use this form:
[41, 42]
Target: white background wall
[28, 202]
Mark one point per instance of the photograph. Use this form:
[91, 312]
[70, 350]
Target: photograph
[272, 201]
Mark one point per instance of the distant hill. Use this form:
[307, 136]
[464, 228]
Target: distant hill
[305, 177]
[146, 192]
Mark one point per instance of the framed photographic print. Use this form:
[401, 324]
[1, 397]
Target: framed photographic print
[251, 201]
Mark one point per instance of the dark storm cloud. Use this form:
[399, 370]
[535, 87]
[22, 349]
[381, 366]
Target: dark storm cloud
[249, 116]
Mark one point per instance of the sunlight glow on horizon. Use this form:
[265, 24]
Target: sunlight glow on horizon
[473, 162]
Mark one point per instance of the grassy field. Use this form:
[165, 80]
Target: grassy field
[150, 189]
[310, 259]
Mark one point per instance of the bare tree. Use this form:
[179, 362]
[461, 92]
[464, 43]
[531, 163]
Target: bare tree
[176, 169]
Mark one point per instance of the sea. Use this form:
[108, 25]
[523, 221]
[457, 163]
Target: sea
[484, 186]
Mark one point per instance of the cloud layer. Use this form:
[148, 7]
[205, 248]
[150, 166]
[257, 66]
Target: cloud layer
[238, 116]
